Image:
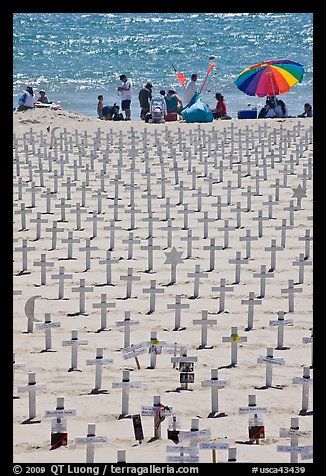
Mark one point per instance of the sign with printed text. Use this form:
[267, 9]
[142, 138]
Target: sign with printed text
[60, 413]
[215, 383]
[98, 361]
[303, 380]
[281, 322]
[287, 432]
[270, 360]
[185, 435]
[293, 449]
[47, 325]
[253, 409]
[133, 384]
[213, 445]
[307, 340]
[182, 459]
[86, 440]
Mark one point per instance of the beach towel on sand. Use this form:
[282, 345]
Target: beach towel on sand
[197, 111]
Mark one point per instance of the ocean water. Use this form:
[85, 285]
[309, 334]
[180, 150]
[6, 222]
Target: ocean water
[77, 56]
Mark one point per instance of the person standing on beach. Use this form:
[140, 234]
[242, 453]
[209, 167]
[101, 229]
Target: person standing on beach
[190, 90]
[145, 96]
[125, 91]
[27, 100]
[100, 106]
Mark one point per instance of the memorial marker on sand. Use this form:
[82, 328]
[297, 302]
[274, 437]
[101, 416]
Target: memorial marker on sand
[32, 387]
[305, 381]
[74, 342]
[90, 440]
[47, 325]
[280, 323]
[125, 385]
[294, 433]
[204, 322]
[269, 360]
[99, 361]
[234, 339]
[215, 383]
[159, 412]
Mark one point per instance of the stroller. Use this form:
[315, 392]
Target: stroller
[157, 111]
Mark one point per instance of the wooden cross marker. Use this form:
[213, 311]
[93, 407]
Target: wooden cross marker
[47, 325]
[104, 306]
[90, 440]
[88, 248]
[82, 290]
[280, 323]
[74, 342]
[291, 290]
[294, 433]
[43, 264]
[215, 383]
[185, 213]
[70, 240]
[238, 261]
[32, 387]
[254, 412]
[307, 239]
[125, 385]
[269, 360]
[299, 193]
[61, 276]
[177, 306]
[173, 258]
[38, 220]
[108, 261]
[78, 212]
[58, 424]
[234, 339]
[309, 340]
[248, 239]
[222, 289]
[305, 381]
[150, 249]
[204, 322]
[159, 412]
[152, 291]
[129, 278]
[24, 250]
[54, 232]
[301, 263]
[126, 325]
[197, 275]
[251, 302]
[273, 249]
[99, 361]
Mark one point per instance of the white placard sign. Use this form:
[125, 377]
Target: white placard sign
[182, 459]
[270, 360]
[288, 432]
[150, 411]
[253, 409]
[282, 322]
[99, 361]
[213, 445]
[75, 341]
[47, 325]
[85, 440]
[134, 384]
[307, 340]
[215, 383]
[294, 449]
[183, 449]
[60, 413]
[185, 435]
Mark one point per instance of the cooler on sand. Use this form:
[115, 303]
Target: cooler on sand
[171, 116]
[247, 114]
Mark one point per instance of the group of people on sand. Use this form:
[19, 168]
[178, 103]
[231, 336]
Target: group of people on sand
[171, 104]
[275, 107]
[27, 100]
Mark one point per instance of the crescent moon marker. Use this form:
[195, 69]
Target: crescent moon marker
[29, 308]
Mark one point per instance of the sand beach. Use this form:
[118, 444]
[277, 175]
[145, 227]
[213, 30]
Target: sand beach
[123, 174]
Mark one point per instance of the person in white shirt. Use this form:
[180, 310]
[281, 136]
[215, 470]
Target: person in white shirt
[190, 90]
[27, 100]
[125, 91]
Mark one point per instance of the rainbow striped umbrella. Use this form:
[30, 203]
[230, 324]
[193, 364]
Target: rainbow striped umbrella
[270, 78]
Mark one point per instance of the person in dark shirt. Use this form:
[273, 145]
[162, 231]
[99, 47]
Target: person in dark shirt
[145, 96]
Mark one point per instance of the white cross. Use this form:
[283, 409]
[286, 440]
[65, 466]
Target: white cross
[251, 302]
[159, 412]
[62, 205]
[280, 323]
[38, 220]
[99, 361]
[108, 261]
[54, 231]
[189, 239]
[125, 385]
[177, 310]
[103, 305]
[294, 433]
[234, 339]
[152, 291]
[283, 229]
[215, 383]
[61, 276]
[90, 440]
[238, 261]
[212, 248]
[309, 340]
[301, 263]
[306, 238]
[24, 249]
[78, 211]
[197, 275]
[129, 278]
[291, 291]
[150, 248]
[126, 323]
[248, 239]
[218, 205]
[305, 381]
[43, 264]
[74, 342]
[222, 289]
[47, 325]
[169, 228]
[88, 248]
[59, 422]
[273, 249]
[82, 290]
[269, 360]
[70, 240]
[260, 220]
[32, 387]
[204, 322]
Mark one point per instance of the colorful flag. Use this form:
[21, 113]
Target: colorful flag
[211, 66]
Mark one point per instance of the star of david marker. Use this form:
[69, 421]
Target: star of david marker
[173, 258]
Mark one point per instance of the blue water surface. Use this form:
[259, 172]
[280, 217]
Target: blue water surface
[77, 56]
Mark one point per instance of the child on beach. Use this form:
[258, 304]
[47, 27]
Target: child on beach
[100, 106]
[220, 109]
